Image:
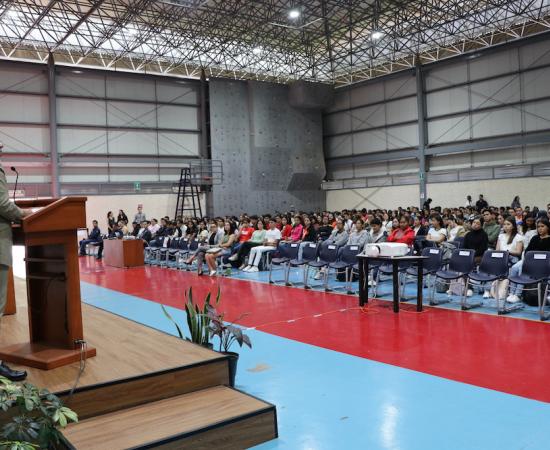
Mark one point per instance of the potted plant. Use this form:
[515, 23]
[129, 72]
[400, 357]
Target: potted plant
[228, 334]
[33, 416]
[197, 319]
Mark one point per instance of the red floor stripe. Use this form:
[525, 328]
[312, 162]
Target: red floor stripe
[500, 353]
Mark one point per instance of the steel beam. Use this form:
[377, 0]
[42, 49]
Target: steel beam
[54, 162]
[371, 157]
[422, 131]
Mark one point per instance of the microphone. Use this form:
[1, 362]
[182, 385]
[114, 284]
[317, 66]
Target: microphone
[13, 169]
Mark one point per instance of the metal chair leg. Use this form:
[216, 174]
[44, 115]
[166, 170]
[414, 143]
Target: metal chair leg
[327, 272]
[306, 276]
[287, 274]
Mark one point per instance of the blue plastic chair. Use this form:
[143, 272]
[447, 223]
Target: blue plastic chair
[327, 254]
[535, 270]
[461, 264]
[493, 267]
[429, 267]
[286, 252]
[347, 261]
[309, 253]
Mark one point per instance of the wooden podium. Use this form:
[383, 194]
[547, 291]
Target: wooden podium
[53, 284]
[10, 305]
[123, 253]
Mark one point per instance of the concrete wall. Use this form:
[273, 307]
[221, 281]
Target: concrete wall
[532, 191]
[272, 153]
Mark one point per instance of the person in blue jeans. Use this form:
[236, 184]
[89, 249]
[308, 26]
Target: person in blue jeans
[93, 238]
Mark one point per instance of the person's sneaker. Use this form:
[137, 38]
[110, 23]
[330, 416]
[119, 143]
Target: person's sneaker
[213, 273]
[469, 293]
[244, 268]
[232, 258]
[513, 298]
[372, 283]
[318, 275]
[486, 294]
[253, 269]
[449, 292]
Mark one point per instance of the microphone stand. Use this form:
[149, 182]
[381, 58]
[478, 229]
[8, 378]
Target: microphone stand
[13, 169]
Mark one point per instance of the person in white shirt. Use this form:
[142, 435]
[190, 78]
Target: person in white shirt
[437, 233]
[271, 241]
[154, 227]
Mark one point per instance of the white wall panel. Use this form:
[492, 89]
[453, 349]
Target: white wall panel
[338, 146]
[370, 170]
[369, 142]
[74, 111]
[25, 138]
[130, 88]
[82, 140]
[449, 162]
[84, 175]
[132, 142]
[126, 114]
[177, 92]
[448, 130]
[403, 166]
[537, 116]
[495, 92]
[338, 123]
[180, 144]
[369, 117]
[403, 110]
[497, 157]
[18, 78]
[402, 136]
[535, 83]
[24, 108]
[494, 64]
[400, 87]
[447, 101]
[341, 173]
[373, 198]
[534, 54]
[497, 122]
[178, 117]
[81, 85]
[447, 75]
[367, 94]
[119, 174]
[536, 153]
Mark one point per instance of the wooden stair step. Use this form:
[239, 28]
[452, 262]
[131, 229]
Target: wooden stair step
[218, 417]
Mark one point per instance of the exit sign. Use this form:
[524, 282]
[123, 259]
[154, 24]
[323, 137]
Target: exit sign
[137, 186]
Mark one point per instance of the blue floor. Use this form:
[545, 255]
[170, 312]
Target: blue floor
[330, 400]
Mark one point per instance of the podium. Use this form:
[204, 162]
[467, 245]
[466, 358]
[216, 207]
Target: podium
[123, 253]
[10, 305]
[53, 284]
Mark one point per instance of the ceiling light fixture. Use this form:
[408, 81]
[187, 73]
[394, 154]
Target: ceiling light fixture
[257, 50]
[376, 35]
[294, 14]
[13, 14]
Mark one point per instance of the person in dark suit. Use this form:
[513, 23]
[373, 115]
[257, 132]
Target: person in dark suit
[9, 212]
[115, 233]
[93, 238]
[144, 233]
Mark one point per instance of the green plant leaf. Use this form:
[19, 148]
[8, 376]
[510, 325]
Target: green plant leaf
[167, 314]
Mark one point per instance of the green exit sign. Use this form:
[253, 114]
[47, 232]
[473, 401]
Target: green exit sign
[137, 186]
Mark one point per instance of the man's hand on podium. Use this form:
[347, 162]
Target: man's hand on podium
[26, 212]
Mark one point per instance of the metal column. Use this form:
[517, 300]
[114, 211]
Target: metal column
[422, 130]
[205, 139]
[54, 163]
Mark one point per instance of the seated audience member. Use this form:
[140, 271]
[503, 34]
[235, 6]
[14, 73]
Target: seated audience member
[154, 227]
[297, 229]
[476, 239]
[257, 239]
[163, 230]
[510, 240]
[454, 228]
[540, 242]
[529, 229]
[136, 228]
[227, 242]
[144, 233]
[359, 236]
[286, 229]
[213, 240]
[309, 235]
[202, 232]
[419, 229]
[518, 215]
[338, 237]
[491, 227]
[437, 233]
[272, 238]
[404, 234]
[244, 234]
[93, 238]
[377, 233]
[122, 227]
[182, 227]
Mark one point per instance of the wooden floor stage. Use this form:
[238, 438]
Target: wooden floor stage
[138, 371]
